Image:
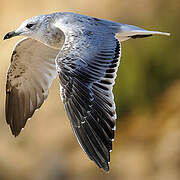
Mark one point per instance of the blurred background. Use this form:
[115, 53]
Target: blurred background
[147, 95]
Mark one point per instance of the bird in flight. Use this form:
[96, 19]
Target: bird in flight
[84, 52]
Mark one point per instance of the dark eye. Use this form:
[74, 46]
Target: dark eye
[30, 25]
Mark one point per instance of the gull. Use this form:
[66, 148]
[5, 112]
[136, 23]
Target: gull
[84, 52]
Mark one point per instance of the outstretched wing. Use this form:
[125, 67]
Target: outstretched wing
[30, 74]
[87, 72]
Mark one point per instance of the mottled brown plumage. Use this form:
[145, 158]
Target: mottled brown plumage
[30, 74]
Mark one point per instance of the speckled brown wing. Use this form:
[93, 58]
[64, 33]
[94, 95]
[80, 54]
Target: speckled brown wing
[29, 77]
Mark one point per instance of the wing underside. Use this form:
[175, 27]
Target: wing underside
[29, 77]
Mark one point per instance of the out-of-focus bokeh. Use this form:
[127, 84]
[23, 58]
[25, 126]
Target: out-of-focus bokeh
[147, 95]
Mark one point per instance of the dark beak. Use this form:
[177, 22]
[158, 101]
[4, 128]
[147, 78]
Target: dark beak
[10, 35]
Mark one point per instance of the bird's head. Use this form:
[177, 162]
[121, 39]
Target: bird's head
[30, 27]
[40, 28]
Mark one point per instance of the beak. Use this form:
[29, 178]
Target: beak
[10, 35]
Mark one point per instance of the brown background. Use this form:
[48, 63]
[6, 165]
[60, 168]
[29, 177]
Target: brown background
[147, 94]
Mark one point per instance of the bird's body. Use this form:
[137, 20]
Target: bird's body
[85, 53]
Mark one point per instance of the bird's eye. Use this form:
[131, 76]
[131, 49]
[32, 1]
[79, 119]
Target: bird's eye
[30, 25]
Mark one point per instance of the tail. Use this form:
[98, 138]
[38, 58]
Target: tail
[126, 32]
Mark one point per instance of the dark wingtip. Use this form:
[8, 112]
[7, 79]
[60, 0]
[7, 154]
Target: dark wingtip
[15, 135]
[14, 132]
[140, 36]
[106, 168]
